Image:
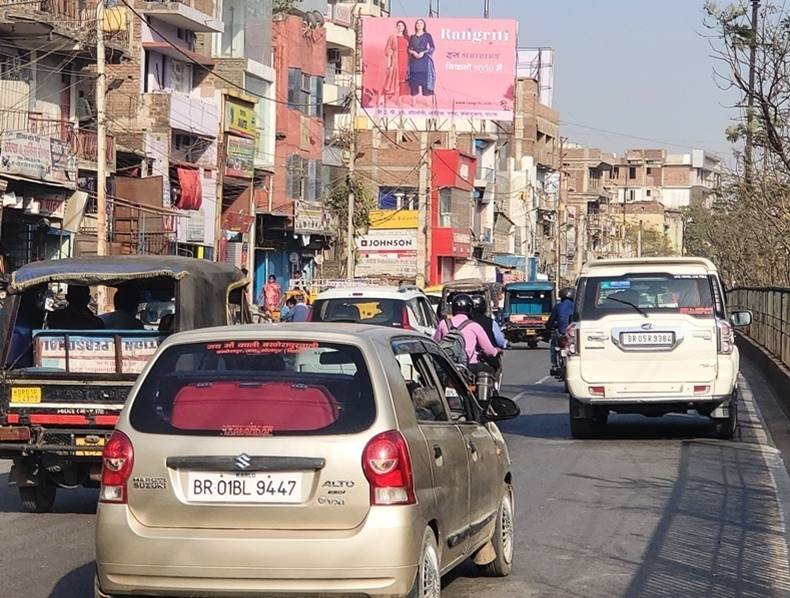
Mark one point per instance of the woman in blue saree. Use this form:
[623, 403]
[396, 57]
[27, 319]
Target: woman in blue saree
[422, 73]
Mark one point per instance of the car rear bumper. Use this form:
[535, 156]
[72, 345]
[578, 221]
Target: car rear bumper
[378, 557]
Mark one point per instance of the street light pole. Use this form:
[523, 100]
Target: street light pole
[101, 146]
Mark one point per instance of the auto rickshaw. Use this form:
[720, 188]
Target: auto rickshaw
[61, 389]
[434, 294]
[469, 286]
[527, 309]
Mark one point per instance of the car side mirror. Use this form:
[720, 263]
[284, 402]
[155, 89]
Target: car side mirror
[741, 318]
[501, 408]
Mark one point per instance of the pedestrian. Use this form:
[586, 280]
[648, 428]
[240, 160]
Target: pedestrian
[299, 310]
[270, 295]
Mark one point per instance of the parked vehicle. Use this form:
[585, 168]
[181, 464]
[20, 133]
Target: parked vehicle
[404, 308]
[315, 458]
[61, 390]
[652, 336]
[470, 286]
[527, 309]
[434, 294]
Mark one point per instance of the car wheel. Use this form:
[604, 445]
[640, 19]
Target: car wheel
[581, 427]
[504, 539]
[428, 582]
[39, 498]
[725, 428]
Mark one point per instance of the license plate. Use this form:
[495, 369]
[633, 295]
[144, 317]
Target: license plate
[647, 339]
[93, 442]
[254, 487]
[530, 331]
[25, 395]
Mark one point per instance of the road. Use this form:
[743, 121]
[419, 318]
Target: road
[654, 509]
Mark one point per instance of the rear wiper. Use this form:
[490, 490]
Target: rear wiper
[636, 307]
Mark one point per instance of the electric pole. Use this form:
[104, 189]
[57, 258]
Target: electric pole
[431, 11]
[486, 8]
[558, 228]
[748, 163]
[101, 146]
[350, 245]
[423, 197]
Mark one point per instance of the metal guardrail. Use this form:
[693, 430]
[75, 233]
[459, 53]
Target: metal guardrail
[770, 308]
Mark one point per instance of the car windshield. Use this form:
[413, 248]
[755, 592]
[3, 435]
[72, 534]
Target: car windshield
[365, 310]
[647, 293]
[530, 302]
[256, 388]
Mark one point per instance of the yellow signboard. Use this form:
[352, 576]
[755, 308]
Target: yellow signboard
[239, 119]
[393, 219]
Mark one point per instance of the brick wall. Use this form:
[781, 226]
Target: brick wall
[677, 176]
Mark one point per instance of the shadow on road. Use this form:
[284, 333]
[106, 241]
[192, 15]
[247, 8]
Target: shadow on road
[78, 501]
[721, 532]
[78, 582]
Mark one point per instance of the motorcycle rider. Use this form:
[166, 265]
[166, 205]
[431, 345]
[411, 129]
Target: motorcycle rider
[476, 340]
[560, 318]
[493, 331]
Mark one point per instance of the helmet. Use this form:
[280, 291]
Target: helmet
[462, 304]
[479, 304]
[567, 293]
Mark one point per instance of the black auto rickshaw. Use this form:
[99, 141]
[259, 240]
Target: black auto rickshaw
[62, 388]
[527, 309]
[468, 286]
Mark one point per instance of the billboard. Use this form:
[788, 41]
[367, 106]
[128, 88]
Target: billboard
[439, 67]
[387, 253]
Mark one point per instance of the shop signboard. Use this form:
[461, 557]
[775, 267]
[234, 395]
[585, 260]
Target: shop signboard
[393, 219]
[387, 253]
[240, 157]
[239, 118]
[310, 218]
[445, 67]
[38, 157]
[103, 353]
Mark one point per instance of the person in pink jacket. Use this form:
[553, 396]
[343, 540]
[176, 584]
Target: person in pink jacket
[475, 337]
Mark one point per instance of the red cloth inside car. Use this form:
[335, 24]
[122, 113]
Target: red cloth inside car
[281, 405]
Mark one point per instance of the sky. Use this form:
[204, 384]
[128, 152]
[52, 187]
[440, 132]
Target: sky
[640, 71]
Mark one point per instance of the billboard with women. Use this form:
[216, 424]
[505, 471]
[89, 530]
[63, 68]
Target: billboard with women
[439, 67]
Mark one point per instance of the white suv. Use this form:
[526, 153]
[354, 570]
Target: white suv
[407, 308]
[652, 336]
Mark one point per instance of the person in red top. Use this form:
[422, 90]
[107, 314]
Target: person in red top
[475, 337]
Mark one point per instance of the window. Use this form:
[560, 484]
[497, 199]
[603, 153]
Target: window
[648, 192]
[295, 89]
[632, 172]
[256, 388]
[364, 310]
[632, 195]
[260, 88]
[649, 171]
[295, 176]
[445, 208]
[316, 97]
[459, 399]
[305, 93]
[425, 397]
[653, 293]
[593, 207]
[595, 178]
[616, 172]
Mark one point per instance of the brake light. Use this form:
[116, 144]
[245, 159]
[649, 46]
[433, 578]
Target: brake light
[572, 336]
[117, 463]
[387, 466]
[405, 323]
[726, 337]
[14, 434]
[597, 391]
[701, 389]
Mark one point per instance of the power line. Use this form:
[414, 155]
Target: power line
[627, 135]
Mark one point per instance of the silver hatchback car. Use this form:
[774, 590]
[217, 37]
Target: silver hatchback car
[315, 458]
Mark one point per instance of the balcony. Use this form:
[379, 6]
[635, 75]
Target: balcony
[336, 87]
[484, 176]
[87, 149]
[196, 116]
[185, 14]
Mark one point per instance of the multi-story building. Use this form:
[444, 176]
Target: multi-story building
[292, 227]
[48, 140]
[164, 107]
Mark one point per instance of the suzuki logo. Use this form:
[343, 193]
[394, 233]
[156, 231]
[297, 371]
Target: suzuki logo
[243, 461]
[647, 326]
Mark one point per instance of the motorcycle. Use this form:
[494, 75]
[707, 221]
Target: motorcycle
[561, 347]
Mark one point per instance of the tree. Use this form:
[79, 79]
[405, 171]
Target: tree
[336, 204]
[654, 242]
[283, 7]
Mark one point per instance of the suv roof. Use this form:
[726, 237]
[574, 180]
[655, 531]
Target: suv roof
[380, 292]
[649, 263]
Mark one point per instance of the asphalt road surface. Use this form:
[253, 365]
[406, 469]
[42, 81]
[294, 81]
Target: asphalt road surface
[656, 508]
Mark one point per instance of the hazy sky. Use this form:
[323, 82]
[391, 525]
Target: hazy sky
[639, 68]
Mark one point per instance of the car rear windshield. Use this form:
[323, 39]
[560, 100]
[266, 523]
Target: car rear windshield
[365, 310]
[530, 302]
[256, 388]
[648, 293]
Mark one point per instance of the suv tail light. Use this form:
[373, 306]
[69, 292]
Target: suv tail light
[726, 339]
[572, 334]
[387, 466]
[405, 322]
[116, 469]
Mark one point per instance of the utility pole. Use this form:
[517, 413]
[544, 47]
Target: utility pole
[639, 239]
[101, 147]
[423, 197]
[350, 245]
[558, 228]
[748, 163]
[486, 8]
[431, 11]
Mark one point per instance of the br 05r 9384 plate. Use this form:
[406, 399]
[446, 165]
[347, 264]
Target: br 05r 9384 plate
[647, 339]
[252, 487]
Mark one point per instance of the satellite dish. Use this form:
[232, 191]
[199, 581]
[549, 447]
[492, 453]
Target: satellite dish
[311, 20]
[319, 18]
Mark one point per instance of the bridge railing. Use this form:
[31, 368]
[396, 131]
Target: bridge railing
[771, 323]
